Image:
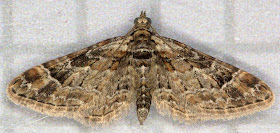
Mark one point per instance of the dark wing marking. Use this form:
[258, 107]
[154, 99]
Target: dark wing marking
[91, 85]
[194, 86]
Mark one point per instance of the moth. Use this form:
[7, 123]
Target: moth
[97, 84]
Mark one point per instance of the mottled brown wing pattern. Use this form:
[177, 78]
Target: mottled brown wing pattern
[194, 86]
[92, 85]
[98, 83]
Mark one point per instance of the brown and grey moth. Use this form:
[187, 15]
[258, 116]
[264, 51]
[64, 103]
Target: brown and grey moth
[98, 83]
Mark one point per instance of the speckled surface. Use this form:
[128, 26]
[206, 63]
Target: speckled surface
[243, 33]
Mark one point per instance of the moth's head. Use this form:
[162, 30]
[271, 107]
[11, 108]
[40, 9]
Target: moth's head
[143, 21]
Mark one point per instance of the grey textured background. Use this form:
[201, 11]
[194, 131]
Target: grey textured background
[244, 33]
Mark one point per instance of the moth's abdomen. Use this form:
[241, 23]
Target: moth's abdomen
[143, 91]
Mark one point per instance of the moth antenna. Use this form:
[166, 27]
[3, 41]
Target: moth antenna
[143, 14]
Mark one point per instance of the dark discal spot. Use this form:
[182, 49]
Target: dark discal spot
[142, 55]
[48, 89]
[233, 93]
[32, 75]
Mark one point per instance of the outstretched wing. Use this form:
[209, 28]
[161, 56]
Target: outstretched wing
[91, 85]
[194, 86]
